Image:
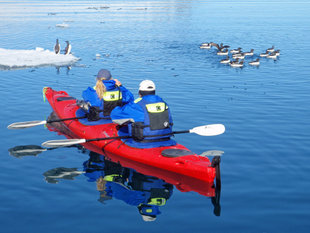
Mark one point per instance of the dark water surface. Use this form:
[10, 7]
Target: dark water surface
[265, 168]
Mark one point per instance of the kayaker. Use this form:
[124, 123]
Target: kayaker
[104, 96]
[148, 119]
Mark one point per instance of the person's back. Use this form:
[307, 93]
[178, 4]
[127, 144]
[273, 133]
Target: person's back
[106, 95]
[149, 118]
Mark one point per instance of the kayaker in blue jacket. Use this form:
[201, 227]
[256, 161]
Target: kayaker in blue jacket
[105, 96]
[148, 118]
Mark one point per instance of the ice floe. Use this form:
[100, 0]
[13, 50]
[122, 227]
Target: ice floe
[62, 25]
[14, 59]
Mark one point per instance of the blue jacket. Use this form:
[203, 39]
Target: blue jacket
[90, 95]
[140, 112]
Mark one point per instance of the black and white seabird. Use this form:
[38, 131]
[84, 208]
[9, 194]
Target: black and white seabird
[236, 64]
[249, 53]
[265, 54]
[270, 50]
[205, 46]
[272, 55]
[238, 55]
[233, 51]
[225, 60]
[68, 48]
[57, 47]
[222, 52]
[255, 62]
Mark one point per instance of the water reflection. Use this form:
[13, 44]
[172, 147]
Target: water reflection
[147, 193]
[68, 68]
[114, 181]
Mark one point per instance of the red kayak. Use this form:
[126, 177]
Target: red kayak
[177, 159]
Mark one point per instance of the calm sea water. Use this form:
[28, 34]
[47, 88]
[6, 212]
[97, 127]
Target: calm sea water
[265, 168]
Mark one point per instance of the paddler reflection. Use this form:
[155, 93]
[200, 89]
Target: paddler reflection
[148, 194]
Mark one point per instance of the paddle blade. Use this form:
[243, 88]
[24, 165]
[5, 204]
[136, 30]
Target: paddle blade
[62, 143]
[26, 124]
[208, 130]
[212, 153]
[28, 150]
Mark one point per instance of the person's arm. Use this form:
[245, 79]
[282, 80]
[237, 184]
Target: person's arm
[128, 111]
[90, 96]
[127, 95]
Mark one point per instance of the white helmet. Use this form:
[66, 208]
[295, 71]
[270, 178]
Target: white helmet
[147, 85]
[148, 218]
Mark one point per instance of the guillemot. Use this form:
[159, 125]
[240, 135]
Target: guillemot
[272, 55]
[233, 51]
[205, 46]
[225, 60]
[271, 49]
[265, 54]
[249, 53]
[236, 64]
[222, 52]
[255, 62]
[68, 48]
[57, 47]
[238, 55]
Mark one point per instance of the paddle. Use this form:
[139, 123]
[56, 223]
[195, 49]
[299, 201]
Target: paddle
[29, 150]
[205, 130]
[28, 124]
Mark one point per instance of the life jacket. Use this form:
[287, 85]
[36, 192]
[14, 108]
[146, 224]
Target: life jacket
[157, 124]
[111, 99]
[149, 210]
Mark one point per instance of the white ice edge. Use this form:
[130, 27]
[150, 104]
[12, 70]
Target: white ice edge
[14, 58]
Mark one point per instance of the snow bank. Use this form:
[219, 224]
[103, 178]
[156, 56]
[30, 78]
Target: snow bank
[11, 58]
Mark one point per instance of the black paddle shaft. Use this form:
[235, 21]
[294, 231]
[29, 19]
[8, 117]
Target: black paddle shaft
[66, 119]
[125, 137]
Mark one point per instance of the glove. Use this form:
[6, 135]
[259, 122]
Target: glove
[83, 105]
[93, 114]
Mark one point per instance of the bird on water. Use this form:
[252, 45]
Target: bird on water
[251, 53]
[270, 50]
[205, 46]
[236, 63]
[225, 60]
[265, 54]
[233, 51]
[255, 62]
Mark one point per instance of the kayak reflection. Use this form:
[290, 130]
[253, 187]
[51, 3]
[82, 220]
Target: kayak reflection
[147, 193]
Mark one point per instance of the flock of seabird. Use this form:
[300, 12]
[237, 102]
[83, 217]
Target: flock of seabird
[237, 56]
[67, 49]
